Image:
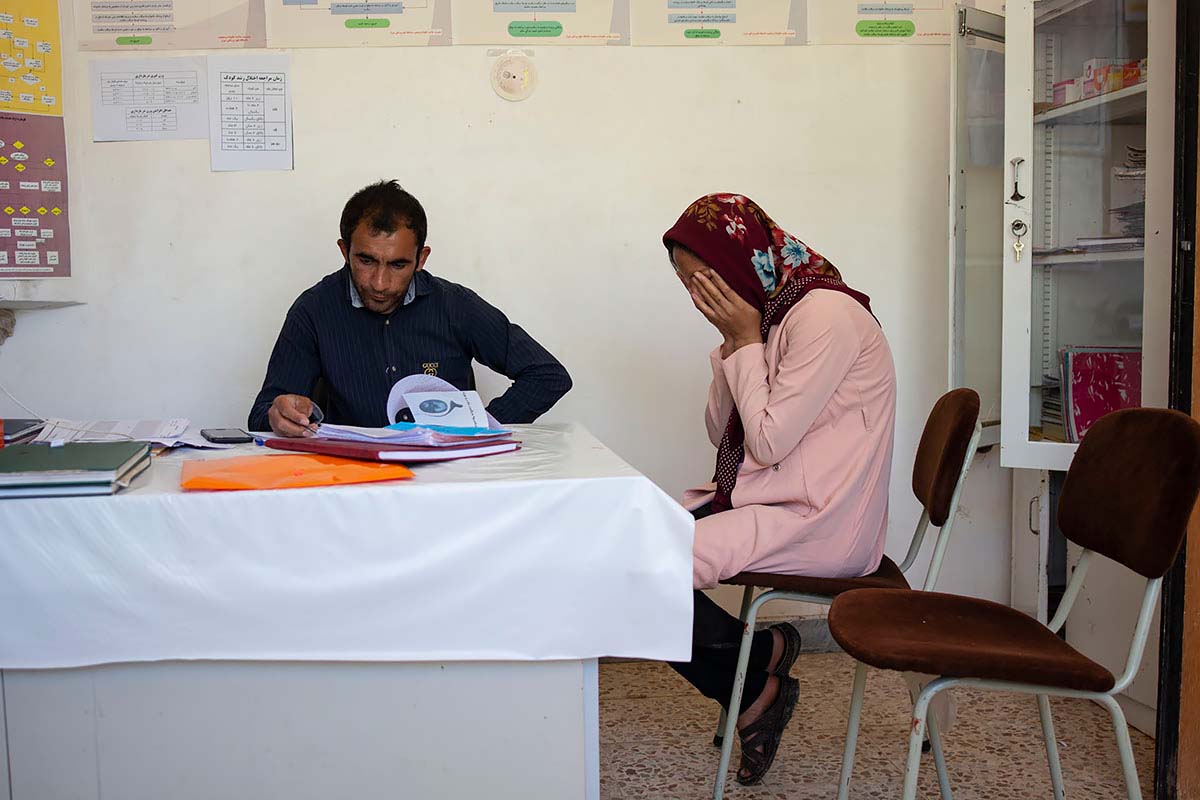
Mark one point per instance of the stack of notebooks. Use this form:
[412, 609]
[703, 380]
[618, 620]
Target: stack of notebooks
[1127, 193]
[1098, 381]
[38, 470]
[1094, 381]
[1103, 244]
[16, 431]
[1131, 218]
[404, 441]
[1109, 244]
[1053, 427]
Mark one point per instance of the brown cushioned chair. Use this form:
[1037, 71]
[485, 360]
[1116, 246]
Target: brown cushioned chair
[944, 455]
[1128, 495]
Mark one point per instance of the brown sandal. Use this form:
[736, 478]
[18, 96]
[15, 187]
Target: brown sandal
[760, 739]
[791, 648]
[791, 651]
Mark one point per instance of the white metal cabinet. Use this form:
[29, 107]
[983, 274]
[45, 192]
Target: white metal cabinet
[1092, 275]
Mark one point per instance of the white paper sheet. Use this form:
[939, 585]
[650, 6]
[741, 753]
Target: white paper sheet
[421, 383]
[456, 409]
[250, 115]
[149, 99]
[158, 431]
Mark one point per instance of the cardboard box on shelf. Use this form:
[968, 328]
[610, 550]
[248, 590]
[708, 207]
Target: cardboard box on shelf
[1068, 91]
[1092, 65]
[1131, 74]
[1103, 78]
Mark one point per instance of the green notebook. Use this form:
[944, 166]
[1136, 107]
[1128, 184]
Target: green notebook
[26, 465]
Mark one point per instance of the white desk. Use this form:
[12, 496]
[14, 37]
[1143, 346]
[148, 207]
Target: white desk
[432, 638]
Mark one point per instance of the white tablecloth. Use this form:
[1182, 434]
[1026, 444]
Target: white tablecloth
[559, 551]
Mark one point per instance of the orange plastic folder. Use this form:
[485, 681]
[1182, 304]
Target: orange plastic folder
[286, 472]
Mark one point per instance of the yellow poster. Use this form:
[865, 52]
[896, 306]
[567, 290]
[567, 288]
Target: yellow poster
[30, 57]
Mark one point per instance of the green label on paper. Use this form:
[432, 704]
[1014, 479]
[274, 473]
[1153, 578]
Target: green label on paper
[537, 30]
[885, 28]
[368, 23]
[123, 40]
[702, 33]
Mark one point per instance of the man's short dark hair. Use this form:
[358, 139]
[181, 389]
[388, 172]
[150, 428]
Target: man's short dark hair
[386, 207]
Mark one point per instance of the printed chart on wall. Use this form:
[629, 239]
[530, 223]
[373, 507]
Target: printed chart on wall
[325, 23]
[250, 115]
[530, 22]
[170, 24]
[35, 240]
[848, 22]
[30, 57]
[140, 99]
[717, 22]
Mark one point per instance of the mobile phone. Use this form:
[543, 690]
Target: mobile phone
[226, 435]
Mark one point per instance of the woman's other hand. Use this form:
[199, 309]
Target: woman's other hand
[738, 321]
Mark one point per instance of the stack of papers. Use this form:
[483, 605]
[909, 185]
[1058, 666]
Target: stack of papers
[1132, 219]
[161, 432]
[409, 433]
[1053, 427]
[18, 430]
[404, 441]
[1127, 193]
[37, 470]
[1107, 244]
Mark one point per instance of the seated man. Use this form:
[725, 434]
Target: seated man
[382, 317]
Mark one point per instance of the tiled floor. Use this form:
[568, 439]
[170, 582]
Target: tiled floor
[656, 741]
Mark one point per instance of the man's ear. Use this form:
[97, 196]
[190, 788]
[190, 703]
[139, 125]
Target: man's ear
[425, 251]
[345, 248]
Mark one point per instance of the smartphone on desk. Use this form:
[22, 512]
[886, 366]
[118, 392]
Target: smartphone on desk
[226, 435]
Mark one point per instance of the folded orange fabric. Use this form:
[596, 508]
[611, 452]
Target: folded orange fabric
[285, 472]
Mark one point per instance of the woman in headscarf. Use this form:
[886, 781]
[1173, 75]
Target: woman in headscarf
[802, 411]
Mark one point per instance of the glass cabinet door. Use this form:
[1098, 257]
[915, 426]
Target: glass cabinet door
[1074, 221]
[976, 207]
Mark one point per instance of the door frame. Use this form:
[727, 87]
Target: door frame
[1170, 775]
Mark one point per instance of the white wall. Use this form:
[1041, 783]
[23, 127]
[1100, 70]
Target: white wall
[552, 209]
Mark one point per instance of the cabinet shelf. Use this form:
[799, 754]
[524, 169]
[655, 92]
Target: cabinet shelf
[1109, 257]
[1125, 106]
[1049, 10]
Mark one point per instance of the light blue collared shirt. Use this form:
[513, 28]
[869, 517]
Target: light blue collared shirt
[356, 300]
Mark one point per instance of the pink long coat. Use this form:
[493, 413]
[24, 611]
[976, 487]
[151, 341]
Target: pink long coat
[818, 403]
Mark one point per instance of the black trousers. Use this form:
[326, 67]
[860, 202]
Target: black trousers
[716, 637]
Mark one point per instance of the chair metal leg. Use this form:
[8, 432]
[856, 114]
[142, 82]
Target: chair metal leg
[747, 599]
[856, 704]
[1133, 787]
[739, 684]
[915, 737]
[1056, 778]
[939, 757]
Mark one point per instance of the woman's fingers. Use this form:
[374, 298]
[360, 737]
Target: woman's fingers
[704, 308]
[735, 300]
[711, 293]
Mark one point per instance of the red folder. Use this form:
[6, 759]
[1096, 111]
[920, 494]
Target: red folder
[371, 451]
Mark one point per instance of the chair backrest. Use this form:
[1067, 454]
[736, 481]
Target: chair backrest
[944, 445]
[1131, 488]
[943, 457]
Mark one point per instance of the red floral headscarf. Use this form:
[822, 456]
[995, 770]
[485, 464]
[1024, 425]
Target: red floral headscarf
[769, 268]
